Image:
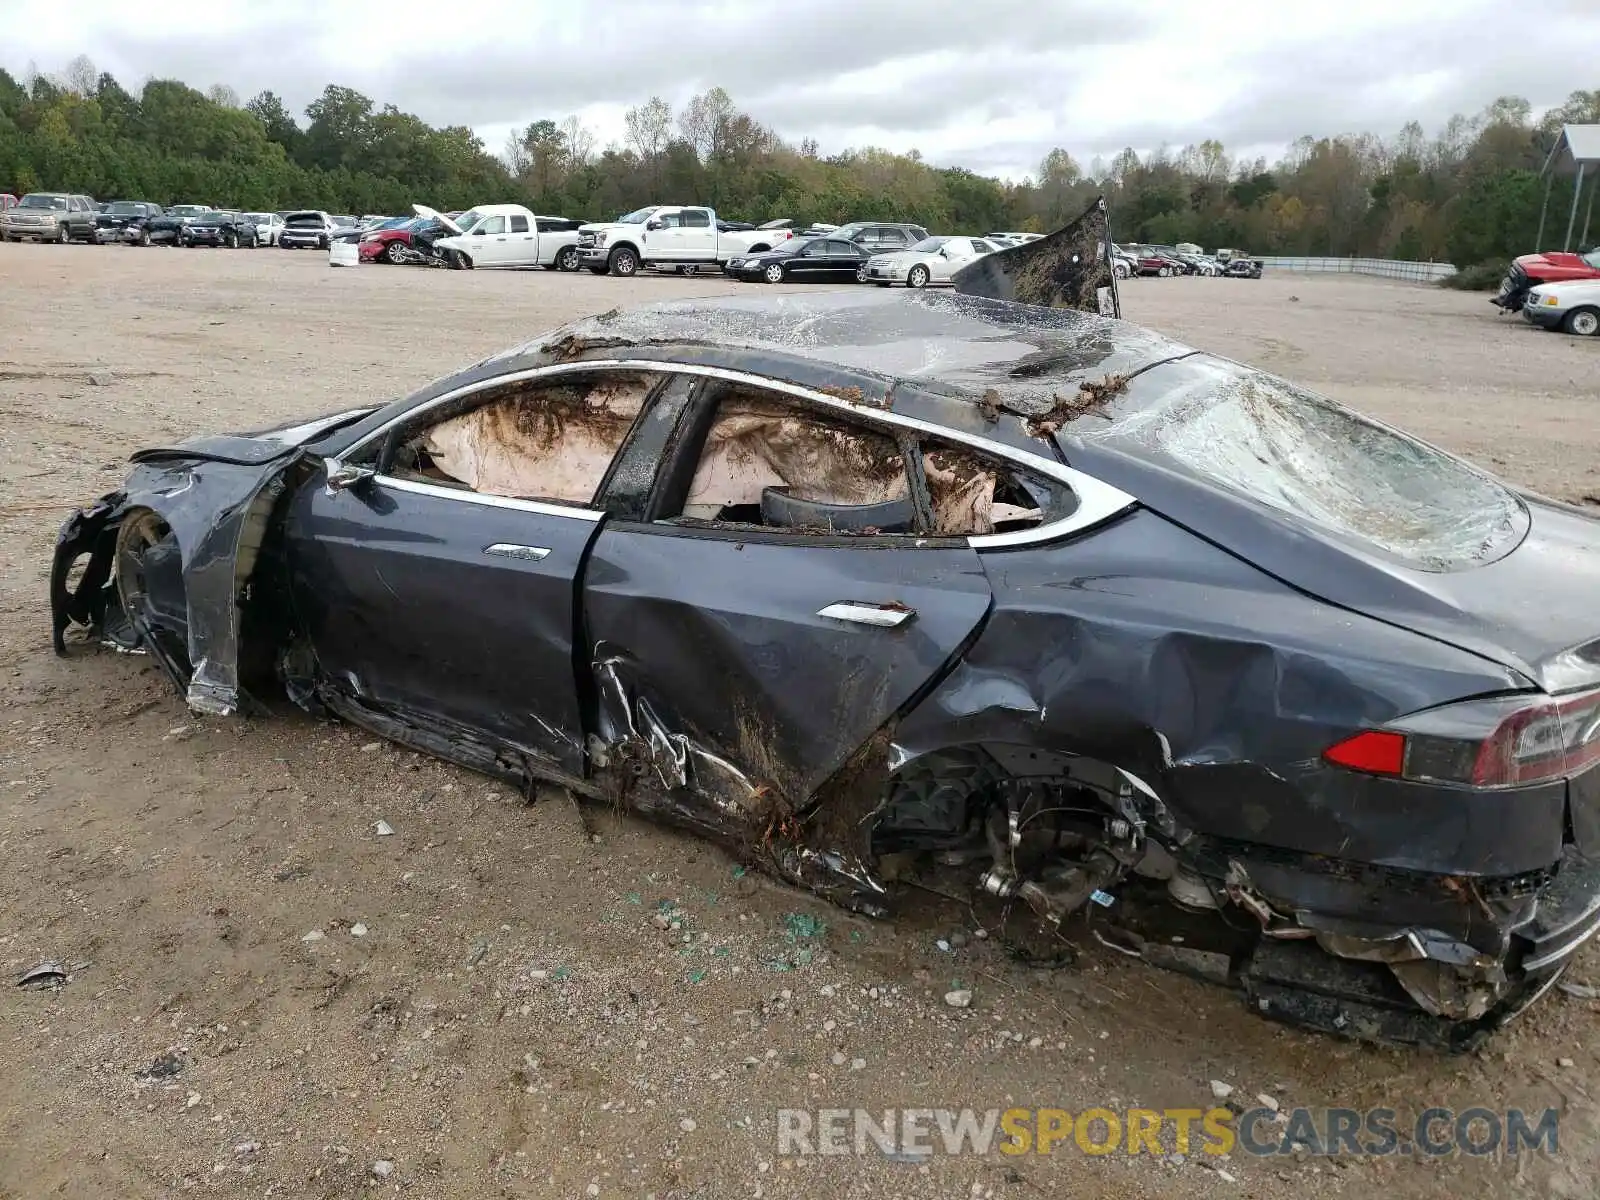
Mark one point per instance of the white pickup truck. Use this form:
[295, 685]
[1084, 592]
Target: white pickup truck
[670, 235]
[508, 235]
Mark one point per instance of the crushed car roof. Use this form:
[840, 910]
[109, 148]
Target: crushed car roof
[942, 341]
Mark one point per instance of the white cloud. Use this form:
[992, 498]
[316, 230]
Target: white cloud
[991, 87]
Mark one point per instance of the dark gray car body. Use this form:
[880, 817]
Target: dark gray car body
[1205, 648]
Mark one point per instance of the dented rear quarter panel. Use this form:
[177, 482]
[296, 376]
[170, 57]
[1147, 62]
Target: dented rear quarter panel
[1144, 645]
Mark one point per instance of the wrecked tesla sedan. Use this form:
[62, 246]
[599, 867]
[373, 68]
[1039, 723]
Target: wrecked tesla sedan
[872, 586]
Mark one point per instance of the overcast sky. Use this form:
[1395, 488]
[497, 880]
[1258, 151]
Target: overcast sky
[989, 85]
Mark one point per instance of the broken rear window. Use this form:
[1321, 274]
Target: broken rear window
[972, 495]
[765, 463]
[1306, 455]
[531, 441]
[769, 463]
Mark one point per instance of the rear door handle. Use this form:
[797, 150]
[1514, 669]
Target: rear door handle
[511, 550]
[883, 615]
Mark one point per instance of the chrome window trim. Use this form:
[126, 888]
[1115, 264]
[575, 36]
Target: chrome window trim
[528, 506]
[1098, 502]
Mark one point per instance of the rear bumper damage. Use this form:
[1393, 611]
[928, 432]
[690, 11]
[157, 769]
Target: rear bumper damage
[1432, 960]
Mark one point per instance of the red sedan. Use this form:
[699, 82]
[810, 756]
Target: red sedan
[388, 242]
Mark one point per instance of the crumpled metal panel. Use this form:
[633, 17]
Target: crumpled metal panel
[217, 512]
[1064, 269]
[1129, 647]
[742, 711]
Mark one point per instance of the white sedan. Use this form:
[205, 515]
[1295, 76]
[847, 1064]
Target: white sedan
[268, 227]
[932, 260]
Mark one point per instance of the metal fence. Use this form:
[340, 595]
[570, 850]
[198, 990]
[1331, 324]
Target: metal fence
[1384, 268]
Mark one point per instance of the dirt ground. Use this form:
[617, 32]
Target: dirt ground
[513, 1019]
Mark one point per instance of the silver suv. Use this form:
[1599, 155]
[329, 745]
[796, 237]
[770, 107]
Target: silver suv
[50, 217]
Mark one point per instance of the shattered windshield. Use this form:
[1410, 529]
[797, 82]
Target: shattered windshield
[40, 200]
[1303, 454]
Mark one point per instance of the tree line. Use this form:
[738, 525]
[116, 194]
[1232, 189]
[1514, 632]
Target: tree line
[1470, 193]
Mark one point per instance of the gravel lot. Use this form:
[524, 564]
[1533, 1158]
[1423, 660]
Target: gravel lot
[513, 1019]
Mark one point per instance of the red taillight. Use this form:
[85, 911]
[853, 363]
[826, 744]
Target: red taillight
[1506, 741]
[1543, 741]
[1376, 751]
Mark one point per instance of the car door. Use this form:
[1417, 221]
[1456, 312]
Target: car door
[439, 587]
[662, 236]
[951, 257]
[743, 655]
[488, 243]
[843, 259]
[522, 242]
[888, 240]
[697, 238]
[811, 263]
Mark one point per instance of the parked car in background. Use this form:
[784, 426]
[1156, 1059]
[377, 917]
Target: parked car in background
[685, 237]
[1185, 263]
[268, 226]
[220, 228]
[1553, 266]
[189, 210]
[112, 223]
[1571, 307]
[805, 260]
[880, 237]
[308, 229]
[930, 261]
[1124, 264]
[160, 230]
[387, 243]
[1182, 264]
[49, 217]
[509, 235]
[1151, 261]
[7, 200]
[1242, 268]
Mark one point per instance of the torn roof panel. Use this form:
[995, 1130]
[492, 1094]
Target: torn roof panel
[942, 340]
